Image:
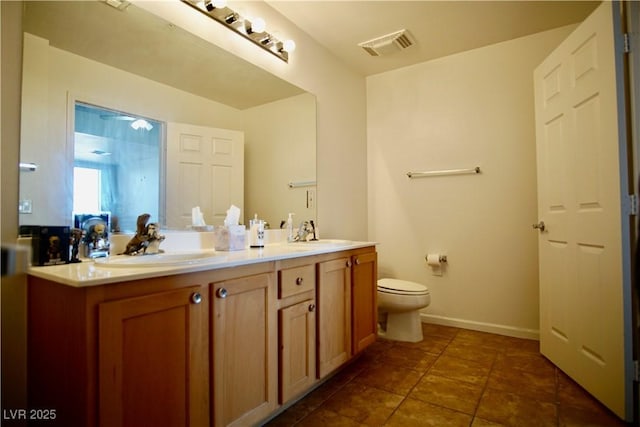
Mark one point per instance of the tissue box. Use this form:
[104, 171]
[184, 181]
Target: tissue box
[229, 238]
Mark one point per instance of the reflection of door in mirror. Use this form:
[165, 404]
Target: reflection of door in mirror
[205, 169]
[116, 164]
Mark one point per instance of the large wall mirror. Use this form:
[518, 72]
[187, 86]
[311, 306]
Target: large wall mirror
[85, 58]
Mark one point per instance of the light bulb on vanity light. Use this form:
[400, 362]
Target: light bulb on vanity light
[288, 46]
[215, 4]
[258, 25]
[254, 26]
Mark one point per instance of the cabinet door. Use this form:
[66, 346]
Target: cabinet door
[364, 301]
[244, 350]
[297, 348]
[152, 360]
[334, 314]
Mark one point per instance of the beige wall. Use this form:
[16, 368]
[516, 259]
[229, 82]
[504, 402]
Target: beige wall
[341, 109]
[279, 147]
[470, 109]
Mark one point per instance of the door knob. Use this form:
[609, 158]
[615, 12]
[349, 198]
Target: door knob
[540, 226]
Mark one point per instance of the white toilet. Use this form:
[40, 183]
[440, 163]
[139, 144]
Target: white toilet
[399, 304]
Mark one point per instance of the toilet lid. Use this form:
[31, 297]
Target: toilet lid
[402, 287]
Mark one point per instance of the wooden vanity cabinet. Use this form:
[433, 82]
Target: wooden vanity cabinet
[347, 308]
[296, 328]
[334, 314]
[364, 306]
[122, 354]
[244, 349]
[226, 347]
[152, 360]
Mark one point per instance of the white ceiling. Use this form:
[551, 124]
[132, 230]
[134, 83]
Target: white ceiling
[440, 28]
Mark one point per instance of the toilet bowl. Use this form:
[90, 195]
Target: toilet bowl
[399, 304]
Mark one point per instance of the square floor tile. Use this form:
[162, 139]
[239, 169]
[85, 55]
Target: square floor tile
[579, 417]
[364, 404]
[460, 369]
[415, 413]
[442, 331]
[479, 422]
[467, 351]
[537, 386]
[514, 410]
[430, 344]
[458, 395]
[525, 361]
[393, 379]
[325, 418]
[482, 339]
[405, 357]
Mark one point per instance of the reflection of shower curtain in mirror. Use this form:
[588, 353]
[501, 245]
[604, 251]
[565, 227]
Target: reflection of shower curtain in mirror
[123, 149]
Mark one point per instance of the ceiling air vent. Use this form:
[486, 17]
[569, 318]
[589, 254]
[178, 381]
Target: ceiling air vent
[388, 44]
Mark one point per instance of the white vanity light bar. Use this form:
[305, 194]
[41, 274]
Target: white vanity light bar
[257, 34]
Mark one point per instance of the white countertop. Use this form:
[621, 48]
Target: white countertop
[89, 273]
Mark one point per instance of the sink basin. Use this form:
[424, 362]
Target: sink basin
[321, 243]
[156, 260]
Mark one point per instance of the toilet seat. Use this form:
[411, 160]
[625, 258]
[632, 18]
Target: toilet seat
[401, 287]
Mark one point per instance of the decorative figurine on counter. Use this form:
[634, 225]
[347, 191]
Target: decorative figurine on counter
[95, 237]
[53, 252]
[76, 238]
[147, 238]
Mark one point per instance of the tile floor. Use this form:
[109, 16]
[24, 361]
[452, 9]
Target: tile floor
[454, 377]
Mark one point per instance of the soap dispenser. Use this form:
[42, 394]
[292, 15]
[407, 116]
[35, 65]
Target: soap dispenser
[290, 237]
[256, 232]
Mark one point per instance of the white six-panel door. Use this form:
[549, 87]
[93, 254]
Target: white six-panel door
[205, 168]
[579, 201]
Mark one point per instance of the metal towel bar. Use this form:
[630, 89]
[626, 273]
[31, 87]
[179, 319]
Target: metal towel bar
[302, 184]
[444, 172]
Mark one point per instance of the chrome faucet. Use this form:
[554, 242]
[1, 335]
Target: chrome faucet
[154, 238]
[306, 228]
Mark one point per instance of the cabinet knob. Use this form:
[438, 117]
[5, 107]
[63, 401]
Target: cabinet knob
[357, 261]
[221, 293]
[196, 298]
[299, 281]
[348, 263]
[312, 307]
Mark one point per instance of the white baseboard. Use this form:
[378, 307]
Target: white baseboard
[493, 328]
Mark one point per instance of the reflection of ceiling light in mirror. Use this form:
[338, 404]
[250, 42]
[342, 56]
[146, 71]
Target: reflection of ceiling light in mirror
[141, 124]
[100, 153]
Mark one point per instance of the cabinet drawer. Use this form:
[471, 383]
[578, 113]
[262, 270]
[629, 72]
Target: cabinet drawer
[293, 281]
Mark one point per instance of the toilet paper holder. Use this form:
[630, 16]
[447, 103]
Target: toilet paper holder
[441, 258]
